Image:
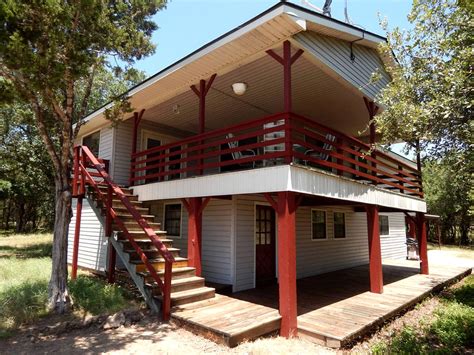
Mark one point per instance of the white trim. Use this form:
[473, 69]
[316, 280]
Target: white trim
[146, 134]
[180, 219]
[112, 158]
[91, 133]
[325, 223]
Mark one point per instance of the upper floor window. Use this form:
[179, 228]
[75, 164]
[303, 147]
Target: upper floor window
[92, 142]
[173, 220]
[339, 225]
[318, 225]
[384, 227]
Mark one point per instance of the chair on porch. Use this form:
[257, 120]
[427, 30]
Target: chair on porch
[240, 154]
[321, 155]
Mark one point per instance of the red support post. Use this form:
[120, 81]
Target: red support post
[287, 61]
[108, 233]
[285, 207]
[422, 242]
[77, 232]
[137, 117]
[375, 252]
[195, 207]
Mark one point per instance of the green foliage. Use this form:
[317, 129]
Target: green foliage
[25, 267]
[451, 331]
[96, 296]
[449, 193]
[431, 96]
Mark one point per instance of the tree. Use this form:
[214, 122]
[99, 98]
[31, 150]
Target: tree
[429, 104]
[48, 48]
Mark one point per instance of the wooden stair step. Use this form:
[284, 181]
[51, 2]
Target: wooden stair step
[177, 273]
[178, 285]
[134, 227]
[193, 295]
[152, 252]
[158, 264]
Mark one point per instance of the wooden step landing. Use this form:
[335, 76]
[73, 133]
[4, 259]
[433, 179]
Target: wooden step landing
[227, 320]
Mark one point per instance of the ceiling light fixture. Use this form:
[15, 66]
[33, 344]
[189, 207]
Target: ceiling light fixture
[239, 88]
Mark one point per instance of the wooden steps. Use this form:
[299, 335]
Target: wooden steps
[186, 287]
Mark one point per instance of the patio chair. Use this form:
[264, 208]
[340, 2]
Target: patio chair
[326, 146]
[240, 154]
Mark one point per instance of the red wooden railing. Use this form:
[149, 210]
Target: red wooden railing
[88, 170]
[281, 138]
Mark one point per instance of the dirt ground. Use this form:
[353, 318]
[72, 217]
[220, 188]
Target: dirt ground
[150, 337]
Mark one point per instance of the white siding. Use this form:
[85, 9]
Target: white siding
[216, 237]
[335, 54]
[319, 256]
[92, 242]
[393, 245]
[123, 151]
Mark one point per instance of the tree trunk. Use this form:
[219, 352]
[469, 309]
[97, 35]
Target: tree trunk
[59, 299]
[20, 216]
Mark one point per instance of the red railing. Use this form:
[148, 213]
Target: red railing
[282, 138]
[88, 170]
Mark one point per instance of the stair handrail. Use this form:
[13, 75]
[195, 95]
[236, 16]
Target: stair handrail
[167, 256]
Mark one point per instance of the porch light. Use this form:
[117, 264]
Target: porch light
[239, 88]
[176, 109]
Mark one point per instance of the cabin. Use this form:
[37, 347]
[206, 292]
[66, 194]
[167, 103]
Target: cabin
[249, 164]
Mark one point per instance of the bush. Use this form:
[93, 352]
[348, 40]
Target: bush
[95, 296]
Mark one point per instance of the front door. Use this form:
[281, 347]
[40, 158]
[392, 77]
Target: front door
[264, 245]
[149, 144]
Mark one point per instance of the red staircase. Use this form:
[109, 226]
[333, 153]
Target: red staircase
[162, 276]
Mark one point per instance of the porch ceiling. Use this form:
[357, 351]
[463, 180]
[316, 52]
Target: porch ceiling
[315, 95]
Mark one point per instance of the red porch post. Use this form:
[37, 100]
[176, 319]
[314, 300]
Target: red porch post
[77, 232]
[137, 117]
[422, 242]
[375, 252]
[287, 61]
[195, 206]
[286, 211]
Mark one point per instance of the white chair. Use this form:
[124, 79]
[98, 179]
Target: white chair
[326, 146]
[240, 154]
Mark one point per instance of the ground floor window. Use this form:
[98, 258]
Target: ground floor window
[318, 225]
[173, 219]
[339, 225]
[383, 225]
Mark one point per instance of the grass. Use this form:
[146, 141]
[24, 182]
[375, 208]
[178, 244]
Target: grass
[449, 331]
[25, 269]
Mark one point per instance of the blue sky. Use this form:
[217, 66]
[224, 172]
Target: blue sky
[186, 25]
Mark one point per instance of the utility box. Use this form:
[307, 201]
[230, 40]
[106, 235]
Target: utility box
[412, 249]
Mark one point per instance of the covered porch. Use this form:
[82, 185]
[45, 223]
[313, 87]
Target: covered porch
[333, 309]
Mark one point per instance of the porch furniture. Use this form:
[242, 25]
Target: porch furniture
[240, 154]
[320, 154]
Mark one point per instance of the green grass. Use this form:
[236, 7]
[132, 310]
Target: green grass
[449, 331]
[25, 269]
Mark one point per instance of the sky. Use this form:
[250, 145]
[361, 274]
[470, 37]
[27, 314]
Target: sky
[186, 25]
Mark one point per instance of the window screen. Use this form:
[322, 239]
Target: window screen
[173, 220]
[92, 142]
[339, 225]
[318, 221]
[383, 225]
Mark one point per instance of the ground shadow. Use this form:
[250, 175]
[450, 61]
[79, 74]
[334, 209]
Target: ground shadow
[40, 250]
[321, 290]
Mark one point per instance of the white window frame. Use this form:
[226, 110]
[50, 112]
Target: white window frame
[325, 221]
[180, 219]
[388, 224]
[334, 226]
[91, 133]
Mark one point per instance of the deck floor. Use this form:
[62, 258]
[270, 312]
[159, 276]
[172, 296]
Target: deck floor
[333, 308]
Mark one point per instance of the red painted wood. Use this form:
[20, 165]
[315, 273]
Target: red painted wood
[287, 263]
[375, 251]
[422, 242]
[88, 160]
[77, 232]
[195, 207]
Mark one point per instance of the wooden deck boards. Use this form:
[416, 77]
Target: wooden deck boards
[333, 308]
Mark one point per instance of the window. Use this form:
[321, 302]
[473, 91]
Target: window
[92, 142]
[318, 223]
[173, 220]
[383, 225]
[339, 225]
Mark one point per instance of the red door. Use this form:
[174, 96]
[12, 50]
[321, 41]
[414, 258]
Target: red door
[264, 245]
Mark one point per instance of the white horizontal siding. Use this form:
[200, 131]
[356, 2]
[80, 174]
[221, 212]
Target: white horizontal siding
[92, 242]
[123, 151]
[216, 237]
[393, 245]
[335, 54]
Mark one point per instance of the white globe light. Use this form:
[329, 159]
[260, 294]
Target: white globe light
[239, 88]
